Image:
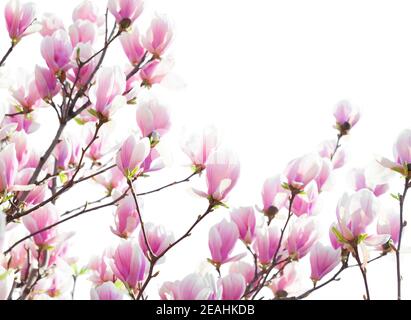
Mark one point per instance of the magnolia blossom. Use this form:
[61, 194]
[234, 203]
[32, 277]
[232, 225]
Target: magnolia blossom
[132, 154]
[233, 286]
[274, 197]
[46, 83]
[389, 224]
[221, 241]
[56, 51]
[82, 31]
[8, 167]
[132, 46]
[245, 220]
[111, 179]
[106, 291]
[323, 260]
[126, 218]
[247, 270]
[26, 94]
[154, 72]
[371, 178]
[199, 147]
[324, 175]
[40, 219]
[286, 283]
[267, 243]
[106, 95]
[129, 264]
[306, 203]
[83, 52]
[153, 119]
[100, 267]
[402, 155]
[303, 234]
[327, 150]
[158, 37]
[158, 238]
[302, 171]
[192, 287]
[50, 23]
[354, 214]
[19, 18]
[346, 117]
[125, 11]
[222, 172]
[87, 10]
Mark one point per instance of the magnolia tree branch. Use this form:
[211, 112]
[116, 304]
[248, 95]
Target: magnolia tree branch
[9, 51]
[402, 225]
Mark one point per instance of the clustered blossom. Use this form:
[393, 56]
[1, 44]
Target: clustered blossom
[253, 247]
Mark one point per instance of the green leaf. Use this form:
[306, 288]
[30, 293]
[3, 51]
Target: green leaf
[79, 121]
[338, 235]
[63, 177]
[395, 196]
[93, 112]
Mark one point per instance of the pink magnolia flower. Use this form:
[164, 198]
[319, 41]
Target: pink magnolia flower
[39, 219]
[158, 37]
[153, 119]
[62, 153]
[38, 193]
[266, 244]
[87, 10]
[221, 241]
[100, 268]
[192, 287]
[20, 122]
[306, 203]
[326, 150]
[323, 260]
[8, 168]
[125, 11]
[18, 257]
[153, 162]
[82, 31]
[302, 236]
[159, 239]
[19, 18]
[245, 269]
[302, 171]
[46, 83]
[106, 291]
[126, 218]
[233, 286]
[20, 141]
[367, 179]
[244, 218]
[6, 283]
[346, 117]
[274, 197]
[129, 264]
[324, 175]
[286, 283]
[132, 154]
[83, 52]
[154, 72]
[354, 214]
[132, 46]
[50, 23]
[106, 95]
[111, 179]
[222, 173]
[56, 51]
[402, 155]
[199, 147]
[26, 95]
[389, 223]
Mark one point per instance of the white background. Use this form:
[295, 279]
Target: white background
[267, 74]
